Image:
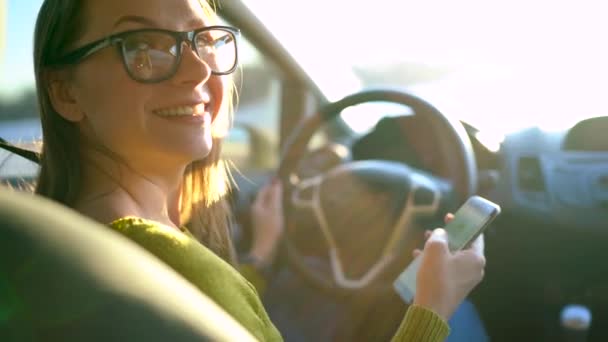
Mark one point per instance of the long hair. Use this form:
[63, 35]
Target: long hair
[205, 183]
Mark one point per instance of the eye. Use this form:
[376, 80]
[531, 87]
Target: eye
[142, 46]
[224, 40]
[139, 45]
[142, 59]
[213, 40]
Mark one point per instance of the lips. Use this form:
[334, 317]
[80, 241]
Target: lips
[182, 110]
[197, 105]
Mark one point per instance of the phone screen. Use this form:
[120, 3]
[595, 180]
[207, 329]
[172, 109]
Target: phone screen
[469, 221]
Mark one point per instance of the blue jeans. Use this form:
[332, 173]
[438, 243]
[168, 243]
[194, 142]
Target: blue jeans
[466, 325]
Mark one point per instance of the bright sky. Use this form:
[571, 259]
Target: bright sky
[515, 56]
[526, 60]
[16, 71]
[2, 26]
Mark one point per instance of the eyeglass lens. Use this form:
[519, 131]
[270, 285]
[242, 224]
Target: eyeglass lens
[151, 55]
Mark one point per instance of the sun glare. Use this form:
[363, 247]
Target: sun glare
[512, 64]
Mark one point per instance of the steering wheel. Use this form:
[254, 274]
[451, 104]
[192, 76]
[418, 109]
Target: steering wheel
[364, 210]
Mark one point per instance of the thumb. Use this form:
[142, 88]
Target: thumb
[438, 241]
[438, 235]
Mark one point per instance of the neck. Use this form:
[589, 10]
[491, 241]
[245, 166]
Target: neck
[112, 189]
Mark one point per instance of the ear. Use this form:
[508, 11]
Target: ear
[62, 98]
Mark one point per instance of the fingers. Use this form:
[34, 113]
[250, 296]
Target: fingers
[260, 197]
[427, 234]
[270, 195]
[448, 217]
[275, 195]
[474, 256]
[472, 262]
[416, 253]
[478, 245]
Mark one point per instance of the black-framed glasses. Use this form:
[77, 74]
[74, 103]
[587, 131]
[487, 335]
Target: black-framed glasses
[153, 55]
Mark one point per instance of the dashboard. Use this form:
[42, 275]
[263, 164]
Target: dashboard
[560, 176]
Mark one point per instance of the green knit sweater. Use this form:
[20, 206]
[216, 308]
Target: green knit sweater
[227, 287]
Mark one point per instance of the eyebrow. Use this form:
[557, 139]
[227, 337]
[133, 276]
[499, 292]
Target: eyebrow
[149, 22]
[135, 19]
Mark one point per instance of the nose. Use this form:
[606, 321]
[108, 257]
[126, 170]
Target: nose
[192, 69]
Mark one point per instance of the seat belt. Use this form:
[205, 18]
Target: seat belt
[25, 153]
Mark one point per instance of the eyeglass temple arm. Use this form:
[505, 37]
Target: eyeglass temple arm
[84, 52]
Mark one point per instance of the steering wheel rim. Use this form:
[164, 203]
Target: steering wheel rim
[455, 139]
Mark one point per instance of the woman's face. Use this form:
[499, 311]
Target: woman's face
[135, 120]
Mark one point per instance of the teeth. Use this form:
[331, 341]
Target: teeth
[176, 111]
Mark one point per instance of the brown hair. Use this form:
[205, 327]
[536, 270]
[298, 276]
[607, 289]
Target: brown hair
[205, 183]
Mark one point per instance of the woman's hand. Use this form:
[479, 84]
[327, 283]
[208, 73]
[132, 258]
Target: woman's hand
[445, 279]
[267, 221]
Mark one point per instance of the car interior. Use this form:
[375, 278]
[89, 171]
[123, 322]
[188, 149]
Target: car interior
[64, 278]
[356, 204]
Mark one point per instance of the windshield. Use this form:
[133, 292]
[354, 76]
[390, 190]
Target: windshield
[498, 66]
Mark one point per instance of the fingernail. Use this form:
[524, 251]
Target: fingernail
[439, 232]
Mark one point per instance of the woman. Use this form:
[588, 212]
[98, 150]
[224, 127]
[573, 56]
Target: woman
[134, 97]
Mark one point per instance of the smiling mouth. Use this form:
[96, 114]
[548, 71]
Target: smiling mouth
[196, 110]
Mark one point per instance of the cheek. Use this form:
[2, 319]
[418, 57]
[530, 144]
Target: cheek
[220, 92]
[109, 100]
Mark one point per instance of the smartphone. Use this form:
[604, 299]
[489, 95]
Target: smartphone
[470, 220]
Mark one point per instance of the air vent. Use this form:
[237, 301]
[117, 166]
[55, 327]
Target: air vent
[530, 175]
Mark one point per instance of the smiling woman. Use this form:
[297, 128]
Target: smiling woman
[136, 139]
[147, 164]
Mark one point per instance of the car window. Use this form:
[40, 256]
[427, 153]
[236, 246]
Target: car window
[252, 143]
[19, 123]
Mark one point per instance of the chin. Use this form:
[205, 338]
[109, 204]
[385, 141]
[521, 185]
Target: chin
[200, 156]
[201, 151]
[187, 148]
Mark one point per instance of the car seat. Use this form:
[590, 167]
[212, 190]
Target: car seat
[65, 277]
